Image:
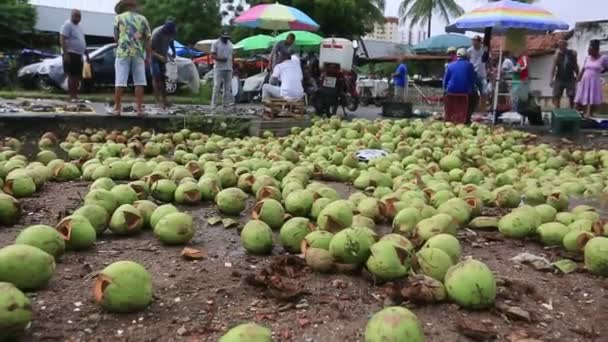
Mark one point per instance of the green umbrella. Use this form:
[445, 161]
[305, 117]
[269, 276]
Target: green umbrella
[303, 38]
[255, 43]
[440, 43]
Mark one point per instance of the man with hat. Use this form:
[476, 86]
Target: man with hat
[221, 52]
[460, 79]
[475, 54]
[163, 39]
[133, 52]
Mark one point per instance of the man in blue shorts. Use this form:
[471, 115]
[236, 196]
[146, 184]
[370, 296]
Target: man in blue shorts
[163, 39]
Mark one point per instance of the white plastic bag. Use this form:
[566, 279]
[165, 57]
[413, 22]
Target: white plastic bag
[171, 71]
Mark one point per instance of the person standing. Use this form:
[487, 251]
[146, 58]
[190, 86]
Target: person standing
[163, 39]
[281, 50]
[520, 89]
[589, 88]
[133, 52]
[564, 72]
[460, 79]
[400, 81]
[475, 54]
[74, 48]
[221, 52]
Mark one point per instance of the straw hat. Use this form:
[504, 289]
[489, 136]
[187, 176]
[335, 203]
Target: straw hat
[122, 5]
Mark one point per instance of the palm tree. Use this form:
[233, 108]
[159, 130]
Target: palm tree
[421, 11]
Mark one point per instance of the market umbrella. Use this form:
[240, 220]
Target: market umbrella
[440, 43]
[303, 38]
[276, 17]
[259, 42]
[504, 15]
[507, 14]
[184, 51]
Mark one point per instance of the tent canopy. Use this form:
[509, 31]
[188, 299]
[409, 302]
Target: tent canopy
[440, 43]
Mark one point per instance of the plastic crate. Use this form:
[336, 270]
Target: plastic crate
[456, 108]
[565, 121]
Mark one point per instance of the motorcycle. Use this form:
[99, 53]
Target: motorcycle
[337, 82]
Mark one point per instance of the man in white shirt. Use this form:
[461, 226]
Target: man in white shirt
[475, 54]
[289, 74]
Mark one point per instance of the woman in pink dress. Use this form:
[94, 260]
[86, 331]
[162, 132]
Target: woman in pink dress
[589, 87]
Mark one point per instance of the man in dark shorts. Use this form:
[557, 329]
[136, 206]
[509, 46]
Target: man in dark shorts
[163, 39]
[74, 47]
[564, 73]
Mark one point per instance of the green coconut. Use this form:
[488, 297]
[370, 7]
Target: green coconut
[405, 221]
[363, 221]
[139, 170]
[256, 237]
[471, 284]
[126, 220]
[394, 323]
[516, 225]
[576, 240]
[66, 172]
[388, 260]
[46, 156]
[120, 170]
[161, 212]
[457, 208]
[596, 256]
[299, 203]
[15, 311]
[372, 208]
[123, 286]
[146, 209]
[209, 188]
[103, 184]
[141, 188]
[317, 239]
[21, 185]
[318, 259]
[245, 182]
[552, 233]
[447, 243]
[318, 205]
[124, 194]
[336, 216]
[231, 201]
[77, 232]
[175, 229]
[27, 267]
[588, 215]
[558, 200]
[10, 209]
[433, 262]
[565, 218]
[349, 246]
[507, 197]
[97, 215]
[270, 211]
[581, 225]
[293, 232]
[187, 193]
[103, 198]
[400, 241]
[268, 192]
[249, 332]
[546, 212]
[435, 225]
[44, 237]
[163, 190]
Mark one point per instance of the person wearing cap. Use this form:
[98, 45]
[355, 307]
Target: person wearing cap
[133, 53]
[475, 54]
[163, 40]
[74, 48]
[460, 78]
[400, 81]
[452, 54]
[281, 50]
[221, 52]
[589, 88]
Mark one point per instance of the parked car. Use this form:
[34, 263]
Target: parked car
[49, 74]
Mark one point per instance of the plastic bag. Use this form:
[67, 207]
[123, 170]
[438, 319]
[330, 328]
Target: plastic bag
[86, 71]
[171, 71]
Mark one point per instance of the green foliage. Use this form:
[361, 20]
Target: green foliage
[340, 18]
[195, 19]
[16, 17]
[416, 12]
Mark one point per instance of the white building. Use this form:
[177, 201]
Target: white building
[97, 15]
[391, 31]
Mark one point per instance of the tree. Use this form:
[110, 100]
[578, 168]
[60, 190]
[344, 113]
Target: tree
[195, 19]
[16, 17]
[340, 18]
[421, 11]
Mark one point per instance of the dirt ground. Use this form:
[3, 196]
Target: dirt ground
[200, 300]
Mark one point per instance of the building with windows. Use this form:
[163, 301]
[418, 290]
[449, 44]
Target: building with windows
[391, 31]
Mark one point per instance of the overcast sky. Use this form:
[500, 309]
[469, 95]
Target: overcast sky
[570, 11]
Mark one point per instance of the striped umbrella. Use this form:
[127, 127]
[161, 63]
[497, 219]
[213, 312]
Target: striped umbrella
[276, 17]
[508, 14]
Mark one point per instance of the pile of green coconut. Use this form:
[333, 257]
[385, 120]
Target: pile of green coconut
[434, 180]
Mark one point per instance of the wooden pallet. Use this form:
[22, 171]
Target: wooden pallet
[281, 108]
